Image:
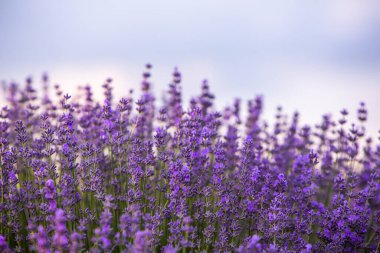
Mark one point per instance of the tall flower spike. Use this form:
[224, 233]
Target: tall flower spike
[142, 242]
[50, 195]
[75, 242]
[4, 247]
[362, 112]
[60, 240]
[43, 243]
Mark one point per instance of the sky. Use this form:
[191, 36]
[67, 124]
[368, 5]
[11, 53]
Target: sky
[314, 56]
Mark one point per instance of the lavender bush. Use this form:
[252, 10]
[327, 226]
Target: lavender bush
[82, 176]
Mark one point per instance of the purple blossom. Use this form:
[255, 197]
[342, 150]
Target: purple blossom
[43, 241]
[85, 174]
[142, 242]
[50, 195]
[60, 240]
[4, 245]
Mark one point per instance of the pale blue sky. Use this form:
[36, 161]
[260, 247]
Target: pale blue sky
[315, 56]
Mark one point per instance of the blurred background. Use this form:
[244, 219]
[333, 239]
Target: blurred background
[315, 56]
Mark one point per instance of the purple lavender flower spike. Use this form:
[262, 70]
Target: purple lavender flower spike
[43, 242]
[60, 240]
[50, 195]
[142, 242]
[4, 247]
[75, 242]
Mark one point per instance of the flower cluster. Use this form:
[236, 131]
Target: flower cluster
[79, 175]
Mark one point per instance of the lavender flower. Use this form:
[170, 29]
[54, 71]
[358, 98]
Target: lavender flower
[142, 242]
[50, 195]
[82, 174]
[60, 240]
[43, 241]
[4, 245]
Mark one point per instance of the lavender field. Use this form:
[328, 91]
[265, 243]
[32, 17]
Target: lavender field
[138, 175]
